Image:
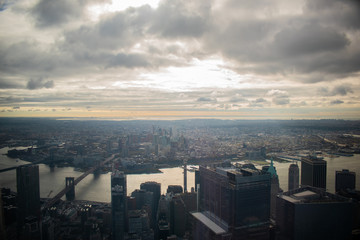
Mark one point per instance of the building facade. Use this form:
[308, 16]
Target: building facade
[344, 180]
[293, 182]
[313, 172]
[311, 213]
[118, 205]
[28, 200]
[233, 203]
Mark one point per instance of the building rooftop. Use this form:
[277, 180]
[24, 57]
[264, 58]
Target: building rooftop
[311, 195]
[209, 223]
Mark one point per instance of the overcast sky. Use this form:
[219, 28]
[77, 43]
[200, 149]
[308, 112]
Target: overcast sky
[234, 59]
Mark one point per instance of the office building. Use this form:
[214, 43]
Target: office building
[311, 213]
[344, 180]
[234, 203]
[293, 182]
[118, 205]
[163, 217]
[275, 188]
[155, 188]
[28, 200]
[177, 216]
[313, 172]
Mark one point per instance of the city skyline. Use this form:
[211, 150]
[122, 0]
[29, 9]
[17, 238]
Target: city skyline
[176, 59]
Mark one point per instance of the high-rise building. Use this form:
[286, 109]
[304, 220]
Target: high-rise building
[344, 180]
[293, 182]
[275, 188]
[177, 216]
[155, 188]
[311, 213]
[28, 196]
[234, 203]
[118, 205]
[313, 172]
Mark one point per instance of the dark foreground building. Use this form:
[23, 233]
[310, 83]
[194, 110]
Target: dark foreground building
[118, 205]
[311, 213]
[234, 204]
[28, 196]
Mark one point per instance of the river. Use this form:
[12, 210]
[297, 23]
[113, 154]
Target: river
[97, 188]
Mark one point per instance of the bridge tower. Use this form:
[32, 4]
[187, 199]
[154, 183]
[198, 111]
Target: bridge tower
[70, 183]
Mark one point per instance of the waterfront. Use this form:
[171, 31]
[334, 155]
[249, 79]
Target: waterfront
[97, 187]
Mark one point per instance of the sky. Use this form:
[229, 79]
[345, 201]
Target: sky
[176, 59]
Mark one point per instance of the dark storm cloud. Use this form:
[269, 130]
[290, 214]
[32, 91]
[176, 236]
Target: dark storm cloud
[118, 30]
[39, 83]
[343, 13]
[309, 39]
[49, 13]
[174, 19]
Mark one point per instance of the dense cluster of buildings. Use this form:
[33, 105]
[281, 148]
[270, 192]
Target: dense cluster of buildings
[229, 202]
[144, 146]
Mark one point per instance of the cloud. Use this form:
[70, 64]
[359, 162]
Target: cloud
[309, 39]
[277, 92]
[52, 13]
[281, 100]
[336, 102]
[337, 90]
[260, 100]
[206, 99]
[178, 19]
[39, 83]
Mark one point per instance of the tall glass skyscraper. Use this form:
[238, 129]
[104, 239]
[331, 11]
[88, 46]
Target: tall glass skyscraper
[233, 202]
[28, 195]
[118, 204]
[313, 172]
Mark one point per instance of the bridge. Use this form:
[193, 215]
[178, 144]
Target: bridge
[70, 183]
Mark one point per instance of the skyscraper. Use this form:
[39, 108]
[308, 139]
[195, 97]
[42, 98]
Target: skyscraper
[28, 190]
[155, 188]
[344, 180]
[293, 182]
[313, 172]
[275, 188]
[233, 203]
[311, 213]
[118, 204]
